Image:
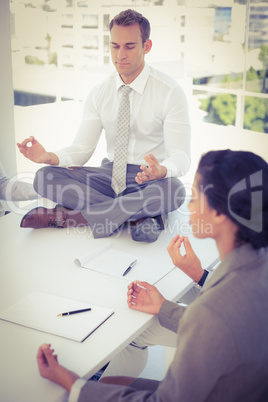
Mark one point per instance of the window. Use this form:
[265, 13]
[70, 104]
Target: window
[106, 22]
[90, 42]
[106, 44]
[237, 68]
[89, 60]
[106, 60]
[68, 40]
[67, 21]
[222, 47]
[90, 21]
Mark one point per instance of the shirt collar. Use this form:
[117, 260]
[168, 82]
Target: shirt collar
[139, 83]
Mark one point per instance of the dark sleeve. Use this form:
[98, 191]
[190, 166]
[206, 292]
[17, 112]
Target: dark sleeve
[95, 391]
[194, 359]
[145, 384]
[170, 314]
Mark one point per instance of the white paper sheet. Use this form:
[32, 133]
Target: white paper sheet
[112, 261]
[39, 311]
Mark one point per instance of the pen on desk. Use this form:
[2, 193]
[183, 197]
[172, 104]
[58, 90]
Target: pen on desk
[74, 312]
[129, 268]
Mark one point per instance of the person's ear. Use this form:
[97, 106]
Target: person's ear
[219, 217]
[147, 46]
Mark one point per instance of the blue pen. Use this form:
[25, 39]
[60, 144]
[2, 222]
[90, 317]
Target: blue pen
[129, 268]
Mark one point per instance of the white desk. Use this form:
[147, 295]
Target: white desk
[43, 260]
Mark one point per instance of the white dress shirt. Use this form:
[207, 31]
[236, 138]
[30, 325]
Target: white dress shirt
[159, 122]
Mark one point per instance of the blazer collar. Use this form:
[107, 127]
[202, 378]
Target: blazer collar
[236, 259]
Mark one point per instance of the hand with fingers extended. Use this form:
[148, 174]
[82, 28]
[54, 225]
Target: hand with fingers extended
[189, 263]
[50, 369]
[144, 297]
[153, 171]
[34, 151]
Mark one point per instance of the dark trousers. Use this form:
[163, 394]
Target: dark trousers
[88, 189]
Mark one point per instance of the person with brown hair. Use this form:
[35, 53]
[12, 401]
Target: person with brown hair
[144, 115]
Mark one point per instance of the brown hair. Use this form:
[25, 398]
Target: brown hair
[131, 17]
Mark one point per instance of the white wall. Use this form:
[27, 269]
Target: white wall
[7, 134]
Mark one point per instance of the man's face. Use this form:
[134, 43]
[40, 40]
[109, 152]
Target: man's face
[127, 51]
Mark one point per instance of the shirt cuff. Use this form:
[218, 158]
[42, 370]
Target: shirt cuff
[177, 165]
[64, 159]
[75, 390]
[169, 315]
[172, 170]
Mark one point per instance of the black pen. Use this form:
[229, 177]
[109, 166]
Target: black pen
[74, 312]
[130, 267]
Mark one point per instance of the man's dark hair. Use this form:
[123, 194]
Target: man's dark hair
[131, 17]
